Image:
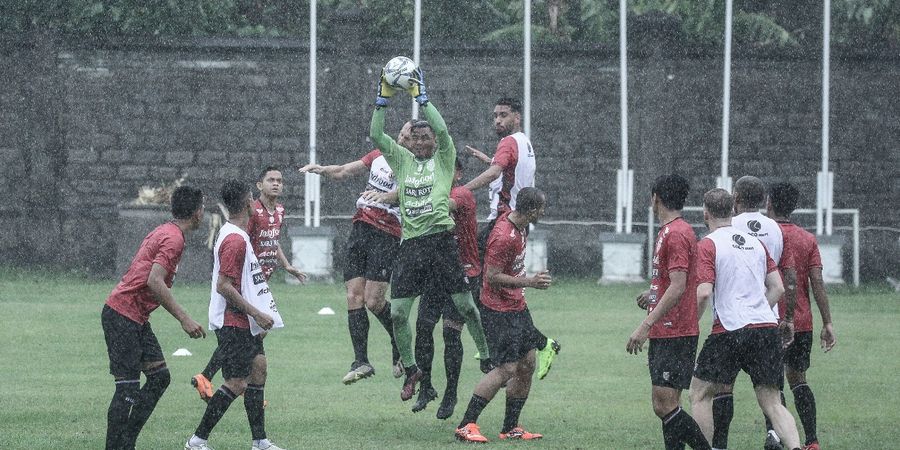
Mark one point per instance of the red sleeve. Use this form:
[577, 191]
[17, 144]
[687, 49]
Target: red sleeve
[497, 251]
[787, 254]
[169, 252]
[369, 157]
[706, 261]
[770, 263]
[679, 252]
[815, 259]
[507, 153]
[465, 200]
[231, 256]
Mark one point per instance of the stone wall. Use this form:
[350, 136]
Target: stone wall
[84, 125]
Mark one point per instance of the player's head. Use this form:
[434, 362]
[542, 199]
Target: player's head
[507, 116]
[403, 136]
[530, 202]
[236, 197]
[421, 139]
[718, 204]
[670, 191]
[459, 170]
[270, 182]
[187, 204]
[749, 193]
[783, 198]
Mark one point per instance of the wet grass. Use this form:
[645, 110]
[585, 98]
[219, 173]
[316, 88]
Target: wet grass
[56, 388]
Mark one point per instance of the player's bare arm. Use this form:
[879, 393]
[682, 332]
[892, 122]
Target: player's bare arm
[704, 292]
[288, 267]
[388, 198]
[670, 298]
[235, 300]
[786, 324]
[157, 285]
[485, 178]
[478, 154]
[774, 288]
[497, 279]
[643, 299]
[336, 172]
[817, 284]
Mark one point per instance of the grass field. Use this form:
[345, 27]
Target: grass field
[56, 389]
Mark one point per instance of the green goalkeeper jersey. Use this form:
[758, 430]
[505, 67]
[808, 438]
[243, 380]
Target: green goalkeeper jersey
[423, 185]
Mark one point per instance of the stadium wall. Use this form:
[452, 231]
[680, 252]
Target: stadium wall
[85, 124]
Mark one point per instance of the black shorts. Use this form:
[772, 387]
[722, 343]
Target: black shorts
[796, 356]
[671, 361]
[756, 351]
[428, 264]
[129, 344]
[509, 335]
[239, 347]
[434, 305]
[370, 253]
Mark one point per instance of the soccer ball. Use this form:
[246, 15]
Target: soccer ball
[400, 73]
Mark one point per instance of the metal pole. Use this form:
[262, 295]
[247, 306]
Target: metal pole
[724, 180]
[311, 183]
[526, 101]
[623, 112]
[826, 113]
[417, 46]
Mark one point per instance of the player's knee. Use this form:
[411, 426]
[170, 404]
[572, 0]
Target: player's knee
[794, 377]
[237, 386]
[355, 300]
[159, 378]
[452, 325]
[375, 302]
[663, 404]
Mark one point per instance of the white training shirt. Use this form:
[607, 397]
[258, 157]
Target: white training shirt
[763, 228]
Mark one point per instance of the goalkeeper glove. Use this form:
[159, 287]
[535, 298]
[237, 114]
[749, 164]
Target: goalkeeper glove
[385, 91]
[417, 90]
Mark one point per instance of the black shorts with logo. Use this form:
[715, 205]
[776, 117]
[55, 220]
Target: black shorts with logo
[428, 264]
[128, 344]
[509, 335]
[434, 305]
[370, 253]
[671, 361]
[238, 348]
[756, 351]
[796, 356]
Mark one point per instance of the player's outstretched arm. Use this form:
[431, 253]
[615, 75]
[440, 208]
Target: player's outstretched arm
[818, 289]
[288, 267]
[235, 300]
[336, 172]
[485, 178]
[478, 154]
[156, 282]
[391, 150]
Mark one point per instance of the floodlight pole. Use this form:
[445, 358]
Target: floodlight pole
[526, 101]
[312, 195]
[825, 179]
[417, 46]
[624, 176]
[724, 181]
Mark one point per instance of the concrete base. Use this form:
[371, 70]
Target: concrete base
[623, 257]
[832, 262]
[536, 252]
[312, 251]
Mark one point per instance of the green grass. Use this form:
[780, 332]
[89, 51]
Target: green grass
[55, 388]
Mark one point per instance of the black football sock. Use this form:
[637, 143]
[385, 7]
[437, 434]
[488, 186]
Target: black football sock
[358, 322]
[540, 341]
[723, 411]
[678, 427]
[425, 350]
[453, 357]
[806, 409]
[214, 364]
[125, 396]
[148, 396]
[254, 397]
[476, 405]
[215, 409]
[384, 316]
[513, 409]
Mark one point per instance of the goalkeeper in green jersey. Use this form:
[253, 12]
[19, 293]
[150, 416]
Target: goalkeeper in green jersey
[428, 258]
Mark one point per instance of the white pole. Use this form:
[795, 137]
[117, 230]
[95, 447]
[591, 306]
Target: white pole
[724, 180]
[826, 117]
[623, 112]
[315, 181]
[526, 101]
[417, 46]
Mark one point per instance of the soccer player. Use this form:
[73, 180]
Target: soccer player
[130, 342]
[435, 304]
[512, 168]
[239, 290]
[264, 231]
[749, 198]
[371, 250]
[428, 257]
[782, 202]
[737, 268]
[507, 321]
[671, 323]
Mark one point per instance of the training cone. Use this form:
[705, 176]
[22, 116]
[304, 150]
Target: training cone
[326, 311]
[182, 352]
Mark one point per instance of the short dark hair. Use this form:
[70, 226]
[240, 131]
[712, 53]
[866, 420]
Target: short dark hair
[784, 198]
[750, 192]
[233, 194]
[420, 124]
[530, 199]
[672, 190]
[186, 200]
[514, 104]
[262, 175]
[719, 203]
